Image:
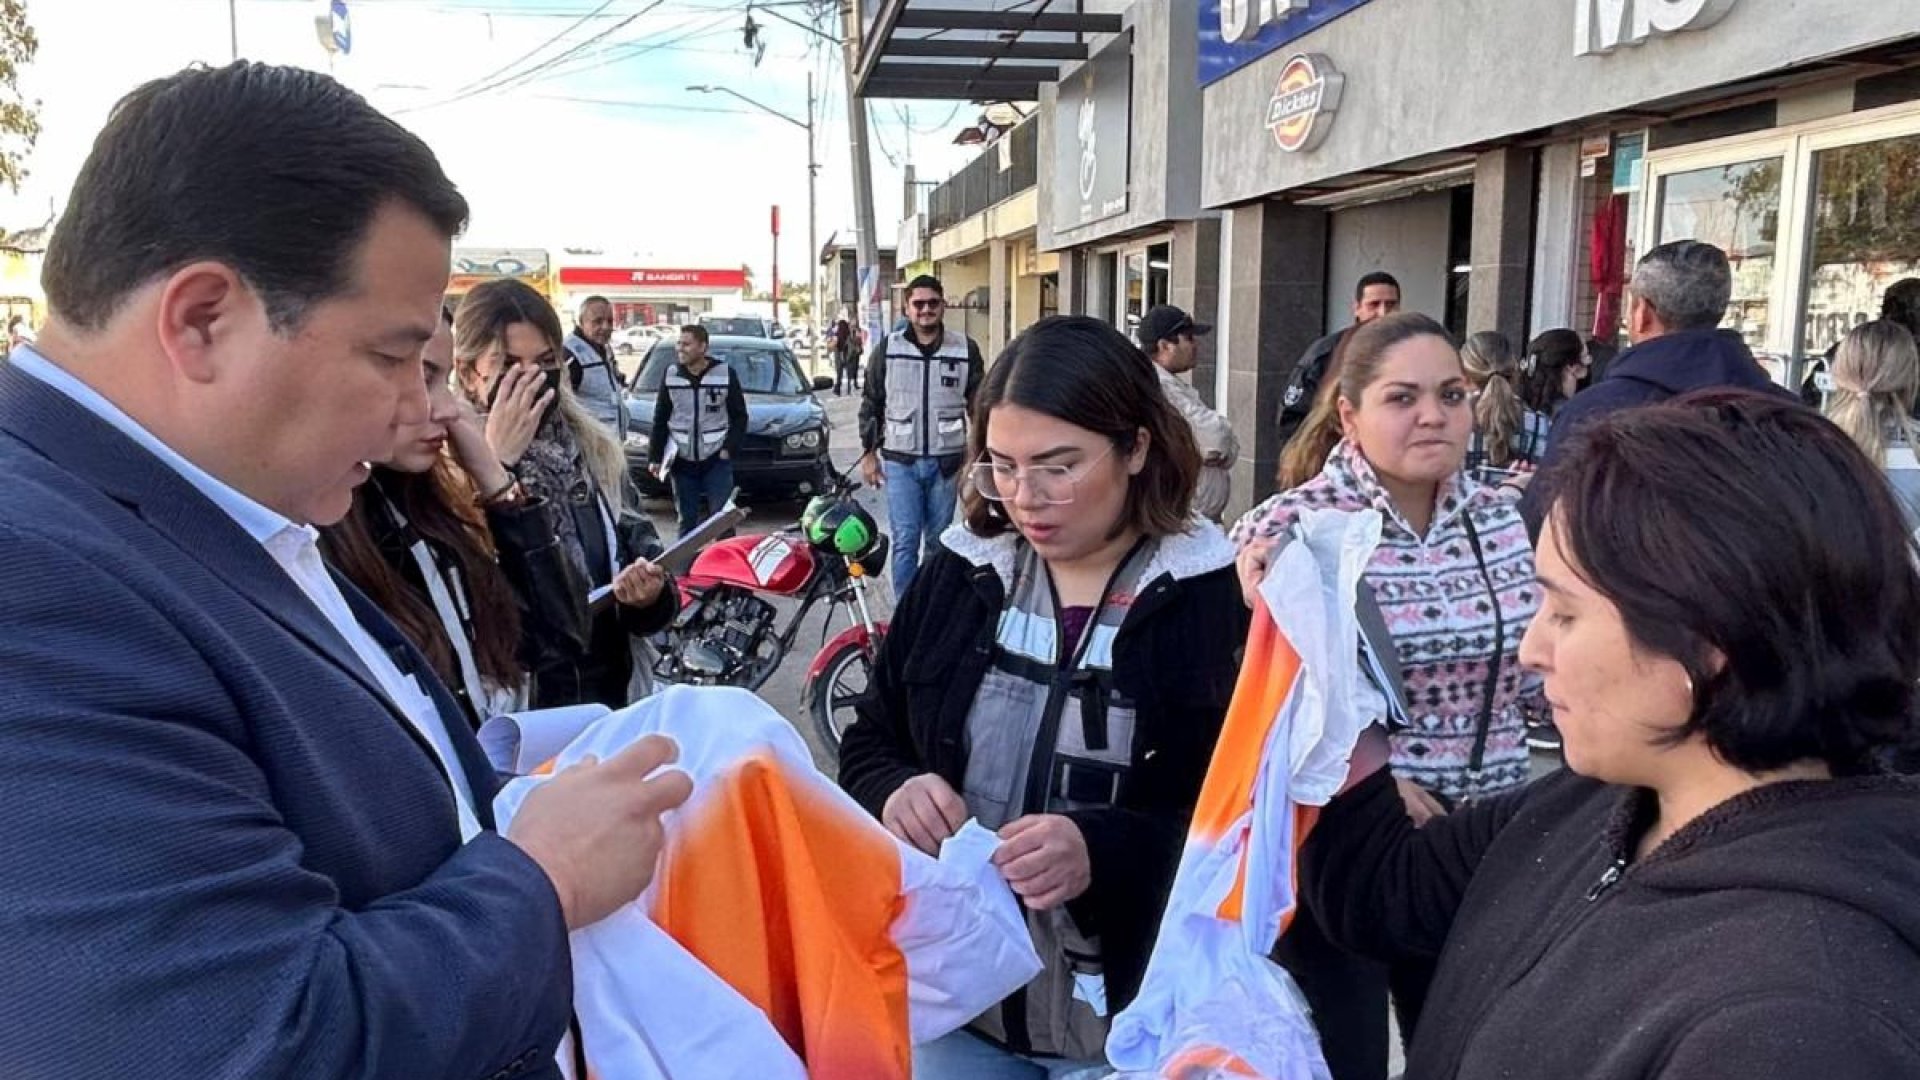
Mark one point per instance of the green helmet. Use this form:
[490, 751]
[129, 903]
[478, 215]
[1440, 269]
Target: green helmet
[839, 525]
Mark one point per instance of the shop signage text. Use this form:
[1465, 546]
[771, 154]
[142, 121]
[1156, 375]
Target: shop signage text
[614, 277]
[1091, 139]
[1601, 26]
[1301, 109]
[1235, 33]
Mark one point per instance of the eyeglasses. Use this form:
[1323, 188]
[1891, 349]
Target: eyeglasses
[927, 305]
[1054, 485]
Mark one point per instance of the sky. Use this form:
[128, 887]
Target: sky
[600, 147]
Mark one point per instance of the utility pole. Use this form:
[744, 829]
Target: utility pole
[813, 240]
[868, 240]
[813, 202]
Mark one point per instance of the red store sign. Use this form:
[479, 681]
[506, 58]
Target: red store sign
[616, 277]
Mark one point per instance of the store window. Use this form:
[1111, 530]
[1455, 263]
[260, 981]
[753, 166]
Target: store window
[1735, 207]
[1864, 234]
[1133, 290]
[1159, 274]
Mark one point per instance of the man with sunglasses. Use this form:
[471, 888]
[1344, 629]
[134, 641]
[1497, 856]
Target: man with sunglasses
[1170, 338]
[913, 424]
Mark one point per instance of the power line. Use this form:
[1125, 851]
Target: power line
[500, 84]
[636, 48]
[537, 49]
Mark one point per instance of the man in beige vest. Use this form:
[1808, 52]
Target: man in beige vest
[1169, 336]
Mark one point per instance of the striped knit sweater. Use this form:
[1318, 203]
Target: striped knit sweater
[1436, 604]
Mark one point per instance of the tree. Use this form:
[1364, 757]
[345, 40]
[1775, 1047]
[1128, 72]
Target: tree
[19, 118]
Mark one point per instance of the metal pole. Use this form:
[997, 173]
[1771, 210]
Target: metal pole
[868, 243]
[233, 27]
[813, 240]
[774, 295]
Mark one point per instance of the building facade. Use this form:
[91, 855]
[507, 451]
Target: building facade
[1555, 141]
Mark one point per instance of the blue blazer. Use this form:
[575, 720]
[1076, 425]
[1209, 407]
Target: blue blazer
[225, 854]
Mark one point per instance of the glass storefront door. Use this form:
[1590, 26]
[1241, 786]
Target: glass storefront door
[1133, 290]
[1865, 234]
[1736, 208]
[1817, 220]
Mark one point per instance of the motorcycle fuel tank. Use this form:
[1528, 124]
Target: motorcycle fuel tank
[777, 564]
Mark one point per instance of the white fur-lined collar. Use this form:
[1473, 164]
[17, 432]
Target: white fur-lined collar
[1202, 549]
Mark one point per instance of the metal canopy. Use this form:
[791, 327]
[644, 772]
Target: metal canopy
[973, 50]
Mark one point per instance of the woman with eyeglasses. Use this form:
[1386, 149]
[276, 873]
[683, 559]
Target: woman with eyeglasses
[508, 344]
[1453, 576]
[1060, 673]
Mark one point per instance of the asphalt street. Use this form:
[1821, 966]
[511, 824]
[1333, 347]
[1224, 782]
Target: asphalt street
[785, 691]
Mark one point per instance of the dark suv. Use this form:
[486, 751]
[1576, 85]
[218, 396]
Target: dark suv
[784, 454]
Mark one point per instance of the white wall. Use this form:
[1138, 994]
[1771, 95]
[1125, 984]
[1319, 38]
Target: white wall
[1406, 237]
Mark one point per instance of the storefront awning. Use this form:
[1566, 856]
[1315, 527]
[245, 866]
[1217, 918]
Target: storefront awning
[972, 50]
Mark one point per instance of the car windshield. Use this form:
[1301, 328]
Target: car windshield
[716, 324]
[760, 370]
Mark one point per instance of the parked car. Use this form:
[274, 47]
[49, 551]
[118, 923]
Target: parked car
[784, 454]
[633, 339]
[753, 326]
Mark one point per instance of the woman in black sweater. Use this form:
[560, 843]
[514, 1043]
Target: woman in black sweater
[461, 557]
[1724, 882]
[1059, 673]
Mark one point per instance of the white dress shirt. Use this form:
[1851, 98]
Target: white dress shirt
[294, 547]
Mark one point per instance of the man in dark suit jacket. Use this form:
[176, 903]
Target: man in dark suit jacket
[249, 834]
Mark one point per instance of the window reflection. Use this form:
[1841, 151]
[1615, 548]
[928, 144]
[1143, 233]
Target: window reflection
[1737, 209]
[1865, 234]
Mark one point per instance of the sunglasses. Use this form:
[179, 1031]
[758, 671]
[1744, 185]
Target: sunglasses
[927, 305]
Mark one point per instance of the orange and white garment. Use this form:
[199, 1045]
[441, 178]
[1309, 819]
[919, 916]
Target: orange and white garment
[1211, 1002]
[786, 934]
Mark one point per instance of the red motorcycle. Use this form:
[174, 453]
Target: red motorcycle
[729, 634]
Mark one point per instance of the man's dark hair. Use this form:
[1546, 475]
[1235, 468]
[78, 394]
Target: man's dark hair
[275, 171]
[1688, 283]
[1901, 303]
[699, 332]
[1749, 539]
[1378, 277]
[927, 281]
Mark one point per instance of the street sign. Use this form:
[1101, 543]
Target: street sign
[342, 28]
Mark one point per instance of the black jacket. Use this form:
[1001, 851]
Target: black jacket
[604, 669]
[550, 593]
[1177, 656]
[1777, 935]
[1649, 373]
[1303, 386]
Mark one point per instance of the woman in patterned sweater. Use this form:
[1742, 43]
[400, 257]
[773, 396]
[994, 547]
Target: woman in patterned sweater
[1454, 578]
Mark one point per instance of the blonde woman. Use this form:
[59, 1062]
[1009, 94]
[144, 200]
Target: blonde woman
[1876, 376]
[1506, 434]
[505, 334]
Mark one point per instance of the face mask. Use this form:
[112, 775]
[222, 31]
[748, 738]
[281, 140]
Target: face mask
[549, 383]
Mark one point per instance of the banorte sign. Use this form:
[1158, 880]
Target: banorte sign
[617, 276]
[1303, 103]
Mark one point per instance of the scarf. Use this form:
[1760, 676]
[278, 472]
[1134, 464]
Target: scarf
[553, 469]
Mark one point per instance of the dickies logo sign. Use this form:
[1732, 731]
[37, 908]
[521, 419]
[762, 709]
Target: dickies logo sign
[1303, 103]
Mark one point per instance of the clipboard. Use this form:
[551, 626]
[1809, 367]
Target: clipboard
[679, 558]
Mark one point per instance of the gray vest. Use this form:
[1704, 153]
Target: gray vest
[699, 421]
[599, 388]
[1048, 734]
[926, 397]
